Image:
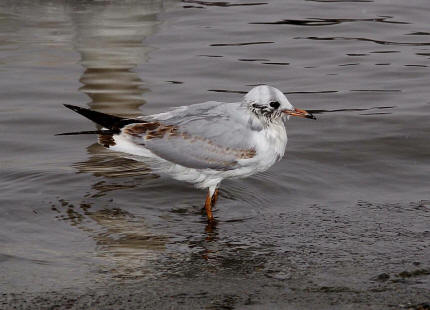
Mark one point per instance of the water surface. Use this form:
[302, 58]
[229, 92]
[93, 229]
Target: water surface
[75, 215]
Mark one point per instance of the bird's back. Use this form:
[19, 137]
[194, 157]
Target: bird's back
[209, 135]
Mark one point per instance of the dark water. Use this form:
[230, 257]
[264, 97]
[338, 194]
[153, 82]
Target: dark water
[76, 215]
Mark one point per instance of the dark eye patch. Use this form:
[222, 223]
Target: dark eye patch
[274, 104]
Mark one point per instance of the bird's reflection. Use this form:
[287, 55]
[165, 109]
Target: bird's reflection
[109, 37]
[107, 164]
[124, 243]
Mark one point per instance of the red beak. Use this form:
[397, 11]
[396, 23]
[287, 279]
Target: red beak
[299, 113]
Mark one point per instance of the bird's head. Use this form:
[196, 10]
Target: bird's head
[270, 104]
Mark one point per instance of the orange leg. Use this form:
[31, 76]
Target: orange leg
[208, 207]
[214, 197]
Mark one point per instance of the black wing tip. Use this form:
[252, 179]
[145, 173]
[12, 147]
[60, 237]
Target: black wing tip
[66, 134]
[87, 132]
[74, 107]
[112, 122]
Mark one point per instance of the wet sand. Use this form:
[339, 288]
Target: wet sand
[373, 257]
[237, 291]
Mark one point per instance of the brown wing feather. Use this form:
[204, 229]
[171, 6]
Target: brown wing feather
[211, 155]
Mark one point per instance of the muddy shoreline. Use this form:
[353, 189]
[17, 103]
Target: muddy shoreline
[330, 260]
[234, 291]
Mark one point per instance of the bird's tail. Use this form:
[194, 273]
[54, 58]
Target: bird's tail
[87, 132]
[111, 122]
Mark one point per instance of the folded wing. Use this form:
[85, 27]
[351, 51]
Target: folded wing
[204, 136]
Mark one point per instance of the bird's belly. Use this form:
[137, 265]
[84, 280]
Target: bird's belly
[267, 153]
[201, 178]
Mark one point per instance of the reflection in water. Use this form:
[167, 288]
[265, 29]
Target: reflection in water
[109, 38]
[110, 41]
[124, 244]
[117, 91]
[103, 162]
[128, 249]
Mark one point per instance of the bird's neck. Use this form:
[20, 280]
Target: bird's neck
[276, 133]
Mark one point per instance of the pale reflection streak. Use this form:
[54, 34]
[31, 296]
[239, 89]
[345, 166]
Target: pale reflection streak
[123, 243]
[109, 39]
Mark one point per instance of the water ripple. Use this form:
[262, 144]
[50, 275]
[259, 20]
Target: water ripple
[222, 3]
[329, 21]
[329, 1]
[352, 110]
[382, 42]
[227, 91]
[384, 52]
[212, 56]
[252, 59]
[242, 43]
[124, 242]
[356, 54]
[419, 33]
[276, 63]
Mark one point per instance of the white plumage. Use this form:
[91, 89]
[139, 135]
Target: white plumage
[207, 142]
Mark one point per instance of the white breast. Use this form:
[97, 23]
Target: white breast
[270, 144]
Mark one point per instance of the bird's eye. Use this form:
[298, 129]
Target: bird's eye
[274, 104]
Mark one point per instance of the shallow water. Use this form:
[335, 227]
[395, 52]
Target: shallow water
[76, 215]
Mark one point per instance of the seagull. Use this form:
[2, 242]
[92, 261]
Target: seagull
[204, 143]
